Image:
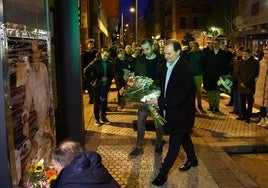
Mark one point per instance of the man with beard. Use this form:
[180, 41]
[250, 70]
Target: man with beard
[149, 65]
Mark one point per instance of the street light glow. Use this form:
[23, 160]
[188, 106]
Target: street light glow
[132, 9]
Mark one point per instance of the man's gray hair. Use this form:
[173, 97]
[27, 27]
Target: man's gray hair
[66, 151]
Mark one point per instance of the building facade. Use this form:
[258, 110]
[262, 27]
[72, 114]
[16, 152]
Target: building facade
[254, 23]
[173, 18]
[98, 21]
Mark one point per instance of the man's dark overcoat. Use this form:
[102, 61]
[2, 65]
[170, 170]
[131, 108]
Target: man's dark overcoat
[179, 102]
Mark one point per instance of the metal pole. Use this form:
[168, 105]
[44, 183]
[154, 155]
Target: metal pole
[6, 136]
[122, 27]
[136, 23]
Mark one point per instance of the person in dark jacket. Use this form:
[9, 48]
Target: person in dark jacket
[247, 74]
[149, 65]
[216, 65]
[101, 74]
[77, 168]
[236, 96]
[87, 57]
[119, 65]
[177, 106]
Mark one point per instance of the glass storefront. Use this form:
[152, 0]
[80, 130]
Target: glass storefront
[26, 62]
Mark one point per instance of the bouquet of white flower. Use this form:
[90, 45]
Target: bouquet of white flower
[140, 89]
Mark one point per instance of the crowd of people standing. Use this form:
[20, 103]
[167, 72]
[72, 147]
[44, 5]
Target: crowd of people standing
[198, 70]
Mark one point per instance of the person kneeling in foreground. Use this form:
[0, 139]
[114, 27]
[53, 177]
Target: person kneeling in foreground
[177, 105]
[77, 168]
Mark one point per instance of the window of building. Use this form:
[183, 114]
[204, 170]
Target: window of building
[182, 3]
[196, 21]
[183, 22]
[255, 8]
[196, 9]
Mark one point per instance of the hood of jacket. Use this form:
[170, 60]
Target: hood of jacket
[84, 170]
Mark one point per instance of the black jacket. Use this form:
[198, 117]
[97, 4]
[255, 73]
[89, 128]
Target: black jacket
[87, 57]
[150, 68]
[119, 66]
[247, 73]
[95, 72]
[85, 171]
[179, 102]
[216, 65]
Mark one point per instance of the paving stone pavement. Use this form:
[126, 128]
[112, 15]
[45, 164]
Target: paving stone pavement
[212, 134]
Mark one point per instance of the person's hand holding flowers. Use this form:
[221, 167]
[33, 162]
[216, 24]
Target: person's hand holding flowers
[140, 89]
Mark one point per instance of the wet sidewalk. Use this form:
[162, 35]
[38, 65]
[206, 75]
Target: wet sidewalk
[213, 135]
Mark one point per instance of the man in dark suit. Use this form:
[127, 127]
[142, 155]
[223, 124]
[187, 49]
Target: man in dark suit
[101, 74]
[247, 72]
[216, 65]
[149, 65]
[177, 105]
[87, 57]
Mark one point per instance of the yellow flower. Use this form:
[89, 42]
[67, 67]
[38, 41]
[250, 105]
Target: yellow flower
[41, 176]
[39, 166]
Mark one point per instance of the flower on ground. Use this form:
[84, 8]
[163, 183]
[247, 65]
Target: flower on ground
[41, 176]
[50, 174]
[141, 89]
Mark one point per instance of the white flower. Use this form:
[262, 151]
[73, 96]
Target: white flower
[151, 96]
[41, 161]
[141, 89]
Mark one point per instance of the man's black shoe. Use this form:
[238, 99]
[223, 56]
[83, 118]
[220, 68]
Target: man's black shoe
[159, 180]
[158, 149]
[241, 118]
[187, 165]
[136, 152]
[105, 121]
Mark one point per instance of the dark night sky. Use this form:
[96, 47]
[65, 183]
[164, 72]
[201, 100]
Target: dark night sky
[127, 4]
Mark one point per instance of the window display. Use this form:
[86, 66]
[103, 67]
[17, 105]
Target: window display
[27, 55]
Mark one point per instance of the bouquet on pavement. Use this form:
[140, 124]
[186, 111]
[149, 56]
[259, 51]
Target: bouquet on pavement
[41, 176]
[141, 89]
